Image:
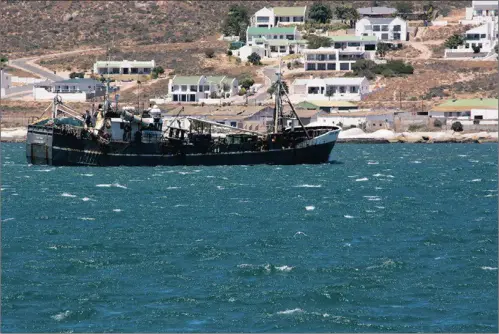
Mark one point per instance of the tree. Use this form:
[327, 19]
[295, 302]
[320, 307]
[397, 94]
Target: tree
[254, 58]
[454, 41]
[429, 11]
[329, 91]
[340, 12]
[364, 68]
[272, 90]
[3, 61]
[157, 71]
[315, 42]
[437, 123]
[235, 20]
[320, 12]
[382, 49]
[229, 53]
[352, 15]
[209, 53]
[476, 49]
[289, 66]
[73, 75]
[457, 126]
[247, 82]
[404, 8]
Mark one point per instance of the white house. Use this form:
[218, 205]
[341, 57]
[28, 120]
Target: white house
[358, 118]
[339, 88]
[276, 16]
[247, 50]
[385, 29]
[124, 67]
[5, 82]
[196, 88]
[78, 89]
[481, 12]
[485, 37]
[277, 41]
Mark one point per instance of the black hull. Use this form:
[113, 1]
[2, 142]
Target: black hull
[47, 148]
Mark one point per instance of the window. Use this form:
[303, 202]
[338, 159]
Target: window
[376, 28]
[467, 45]
[342, 89]
[338, 45]
[273, 49]
[192, 97]
[290, 37]
[384, 28]
[298, 18]
[331, 57]
[397, 27]
[482, 36]
[331, 67]
[233, 124]
[206, 88]
[282, 49]
[311, 67]
[194, 88]
[354, 89]
[262, 19]
[281, 36]
[370, 47]
[354, 44]
[321, 67]
[344, 67]
[321, 57]
[200, 88]
[175, 97]
[183, 88]
[396, 36]
[313, 90]
[384, 37]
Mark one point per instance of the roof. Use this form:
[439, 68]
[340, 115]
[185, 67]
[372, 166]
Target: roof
[302, 113]
[186, 80]
[467, 104]
[376, 11]
[115, 63]
[79, 81]
[215, 79]
[346, 81]
[268, 31]
[478, 30]
[217, 112]
[356, 113]
[306, 105]
[353, 38]
[290, 11]
[380, 20]
[333, 104]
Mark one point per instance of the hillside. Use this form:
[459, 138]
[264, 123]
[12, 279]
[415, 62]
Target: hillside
[49, 26]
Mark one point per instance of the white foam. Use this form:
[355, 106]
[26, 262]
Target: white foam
[67, 195]
[372, 198]
[380, 207]
[117, 185]
[416, 162]
[476, 180]
[86, 218]
[348, 216]
[53, 247]
[284, 268]
[61, 316]
[352, 176]
[462, 155]
[220, 188]
[179, 205]
[117, 210]
[308, 186]
[45, 170]
[103, 185]
[87, 174]
[295, 310]
[362, 179]
[173, 188]
[310, 208]
[7, 219]
[373, 163]
[299, 233]
[231, 300]
[489, 268]
[85, 199]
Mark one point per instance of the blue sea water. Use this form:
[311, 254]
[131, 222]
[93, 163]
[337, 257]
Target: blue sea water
[398, 238]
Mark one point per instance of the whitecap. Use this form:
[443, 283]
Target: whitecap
[308, 186]
[210, 176]
[61, 316]
[362, 179]
[295, 310]
[476, 180]
[86, 218]
[67, 195]
[378, 175]
[85, 199]
[173, 188]
[489, 268]
[352, 176]
[117, 185]
[220, 188]
[87, 174]
[347, 244]
[179, 205]
[462, 155]
[231, 300]
[370, 211]
[416, 162]
[372, 198]
[310, 208]
[373, 163]
[299, 233]
[380, 207]
[348, 216]
[53, 247]
[103, 185]
[7, 219]
[473, 160]
[117, 210]
[45, 170]
[284, 268]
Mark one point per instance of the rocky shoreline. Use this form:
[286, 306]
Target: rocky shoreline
[351, 136]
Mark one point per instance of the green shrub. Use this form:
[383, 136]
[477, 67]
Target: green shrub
[254, 58]
[242, 91]
[415, 127]
[457, 126]
[209, 53]
[437, 123]
[229, 53]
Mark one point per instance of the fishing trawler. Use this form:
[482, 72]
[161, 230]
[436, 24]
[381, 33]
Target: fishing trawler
[127, 137]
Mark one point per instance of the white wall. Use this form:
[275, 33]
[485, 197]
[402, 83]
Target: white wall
[40, 93]
[264, 12]
[26, 80]
[485, 113]
[247, 50]
[360, 29]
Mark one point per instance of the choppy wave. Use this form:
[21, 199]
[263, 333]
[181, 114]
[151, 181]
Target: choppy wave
[362, 179]
[115, 185]
[489, 268]
[67, 195]
[308, 186]
[61, 316]
[310, 208]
